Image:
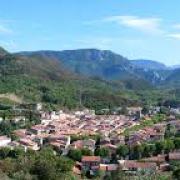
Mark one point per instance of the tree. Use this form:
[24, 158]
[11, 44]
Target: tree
[122, 151]
[177, 143]
[17, 152]
[164, 110]
[170, 131]
[75, 154]
[147, 150]
[8, 166]
[124, 110]
[86, 152]
[145, 110]
[160, 146]
[103, 152]
[137, 151]
[176, 174]
[4, 152]
[169, 145]
[64, 164]
[44, 169]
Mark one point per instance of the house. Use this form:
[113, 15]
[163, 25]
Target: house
[117, 140]
[4, 141]
[105, 140]
[91, 163]
[135, 111]
[21, 133]
[174, 156]
[38, 129]
[157, 159]
[28, 144]
[59, 142]
[132, 165]
[80, 144]
[108, 167]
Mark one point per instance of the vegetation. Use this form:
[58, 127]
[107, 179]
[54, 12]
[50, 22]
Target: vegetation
[43, 165]
[146, 123]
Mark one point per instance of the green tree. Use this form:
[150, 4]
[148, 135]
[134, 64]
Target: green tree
[145, 109]
[44, 169]
[169, 145]
[64, 164]
[176, 174]
[122, 151]
[177, 143]
[137, 151]
[103, 152]
[4, 152]
[86, 152]
[124, 110]
[75, 154]
[160, 146]
[170, 131]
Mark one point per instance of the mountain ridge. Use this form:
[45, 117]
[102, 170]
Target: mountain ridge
[107, 65]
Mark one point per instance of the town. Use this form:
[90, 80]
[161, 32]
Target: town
[132, 142]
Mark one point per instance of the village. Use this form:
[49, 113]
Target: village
[102, 137]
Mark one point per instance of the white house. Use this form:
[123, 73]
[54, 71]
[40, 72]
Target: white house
[4, 141]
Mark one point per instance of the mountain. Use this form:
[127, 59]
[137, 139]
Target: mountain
[90, 77]
[35, 66]
[3, 52]
[175, 67]
[38, 78]
[173, 79]
[90, 62]
[106, 65]
[149, 64]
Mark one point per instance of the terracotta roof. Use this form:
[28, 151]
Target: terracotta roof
[159, 158]
[136, 164]
[91, 158]
[108, 167]
[174, 156]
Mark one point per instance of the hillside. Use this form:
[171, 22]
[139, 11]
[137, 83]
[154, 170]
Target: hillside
[149, 64]
[96, 79]
[90, 62]
[101, 63]
[174, 78]
[38, 78]
[3, 52]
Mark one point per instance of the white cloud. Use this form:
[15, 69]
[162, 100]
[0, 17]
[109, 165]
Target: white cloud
[174, 36]
[5, 30]
[149, 25]
[9, 45]
[99, 42]
[176, 26]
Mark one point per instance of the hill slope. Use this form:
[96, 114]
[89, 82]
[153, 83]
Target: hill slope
[39, 78]
[104, 64]
[148, 64]
[90, 62]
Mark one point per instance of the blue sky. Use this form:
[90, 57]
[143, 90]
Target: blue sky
[134, 28]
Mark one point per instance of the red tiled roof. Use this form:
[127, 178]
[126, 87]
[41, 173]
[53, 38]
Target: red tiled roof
[174, 156]
[91, 159]
[135, 164]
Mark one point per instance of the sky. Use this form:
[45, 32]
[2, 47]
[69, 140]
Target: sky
[136, 29]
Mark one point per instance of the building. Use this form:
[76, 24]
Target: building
[4, 141]
[91, 163]
[88, 144]
[135, 166]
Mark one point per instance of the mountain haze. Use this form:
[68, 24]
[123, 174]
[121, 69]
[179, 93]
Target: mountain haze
[148, 64]
[107, 65]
